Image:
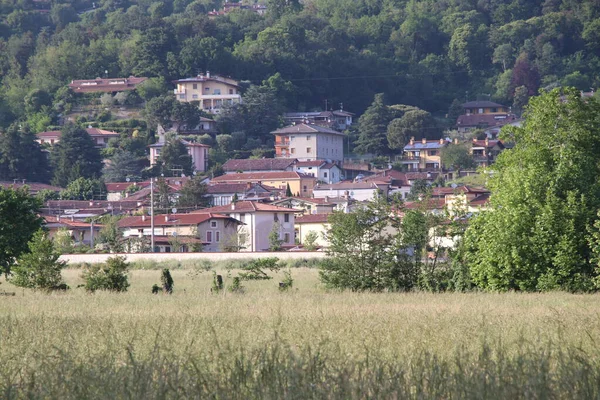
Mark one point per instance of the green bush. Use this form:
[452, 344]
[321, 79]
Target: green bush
[111, 276]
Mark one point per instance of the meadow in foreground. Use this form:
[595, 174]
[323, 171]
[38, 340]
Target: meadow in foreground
[305, 343]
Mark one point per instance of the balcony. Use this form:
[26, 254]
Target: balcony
[408, 159]
[281, 143]
[179, 91]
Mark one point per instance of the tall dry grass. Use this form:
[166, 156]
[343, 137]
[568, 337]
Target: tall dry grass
[306, 343]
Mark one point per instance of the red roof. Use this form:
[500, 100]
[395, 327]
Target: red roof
[312, 219]
[105, 85]
[121, 186]
[68, 222]
[314, 163]
[429, 204]
[249, 207]
[481, 200]
[33, 186]
[170, 219]
[442, 191]
[259, 176]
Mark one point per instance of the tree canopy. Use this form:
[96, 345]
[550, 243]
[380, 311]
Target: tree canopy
[541, 231]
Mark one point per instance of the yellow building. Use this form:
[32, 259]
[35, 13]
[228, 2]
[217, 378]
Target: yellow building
[211, 92]
[423, 155]
[314, 224]
[300, 184]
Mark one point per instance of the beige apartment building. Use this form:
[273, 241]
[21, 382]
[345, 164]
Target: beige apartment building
[211, 92]
[309, 142]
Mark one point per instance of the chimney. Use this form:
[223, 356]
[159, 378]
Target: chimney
[474, 139]
[248, 185]
[143, 217]
[442, 140]
[424, 141]
[412, 141]
[233, 206]
[487, 141]
[208, 74]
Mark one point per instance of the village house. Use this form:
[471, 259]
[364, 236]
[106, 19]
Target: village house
[359, 191]
[259, 221]
[398, 181]
[81, 233]
[324, 171]
[484, 115]
[485, 151]
[233, 166]
[201, 231]
[338, 120]
[316, 224]
[300, 184]
[99, 136]
[423, 154]
[211, 92]
[106, 85]
[222, 194]
[33, 188]
[309, 142]
[309, 205]
[198, 151]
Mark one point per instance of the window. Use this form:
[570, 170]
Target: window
[275, 217]
[217, 236]
[182, 96]
[308, 150]
[207, 89]
[167, 249]
[209, 236]
[286, 217]
[242, 217]
[286, 237]
[308, 137]
[433, 153]
[195, 86]
[293, 150]
[213, 224]
[291, 138]
[217, 91]
[324, 174]
[480, 111]
[304, 189]
[494, 109]
[194, 96]
[230, 91]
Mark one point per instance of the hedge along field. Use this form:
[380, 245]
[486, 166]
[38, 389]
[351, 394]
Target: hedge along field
[305, 343]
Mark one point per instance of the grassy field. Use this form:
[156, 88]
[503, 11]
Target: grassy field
[306, 343]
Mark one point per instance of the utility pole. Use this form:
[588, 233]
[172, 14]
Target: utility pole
[152, 215]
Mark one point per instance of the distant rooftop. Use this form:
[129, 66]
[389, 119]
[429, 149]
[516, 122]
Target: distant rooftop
[106, 84]
[305, 128]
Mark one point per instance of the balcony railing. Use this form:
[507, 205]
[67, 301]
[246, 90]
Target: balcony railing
[283, 143]
[411, 159]
[179, 91]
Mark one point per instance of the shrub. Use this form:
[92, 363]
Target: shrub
[255, 269]
[167, 281]
[110, 276]
[287, 281]
[40, 268]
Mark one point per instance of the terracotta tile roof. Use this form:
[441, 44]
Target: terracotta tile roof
[485, 120]
[348, 186]
[430, 176]
[312, 219]
[249, 207]
[105, 85]
[429, 204]
[314, 163]
[482, 104]
[305, 128]
[68, 222]
[34, 187]
[171, 219]
[264, 164]
[259, 176]
[218, 188]
[115, 187]
[442, 191]
[481, 200]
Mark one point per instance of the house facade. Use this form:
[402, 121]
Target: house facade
[325, 172]
[338, 120]
[486, 151]
[359, 191]
[483, 115]
[313, 224]
[309, 142]
[182, 232]
[99, 136]
[211, 92]
[423, 154]
[198, 151]
[300, 184]
[259, 220]
[81, 233]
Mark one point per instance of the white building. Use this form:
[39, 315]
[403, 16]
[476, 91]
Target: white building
[210, 92]
[259, 221]
[359, 191]
[324, 171]
[309, 142]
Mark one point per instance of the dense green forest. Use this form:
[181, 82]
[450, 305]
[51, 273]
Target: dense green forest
[421, 53]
